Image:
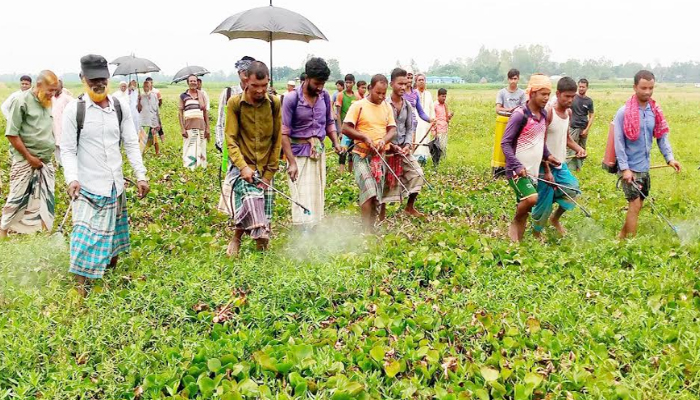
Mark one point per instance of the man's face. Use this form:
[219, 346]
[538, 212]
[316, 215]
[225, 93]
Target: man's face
[191, 83]
[582, 89]
[442, 98]
[60, 88]
[377, 93]
[290, 88]
[25, 85]
[398, 85]
[361, 90]
[513, 82]
[314, 86]
[46, 91]
[409, 79]
[565, 99]
[257, 87]
[242, 76]
[339, 87]
[420, 82]
[199, 84]
[644, 90]
[541, 97]
[123, 87]
[349, 85]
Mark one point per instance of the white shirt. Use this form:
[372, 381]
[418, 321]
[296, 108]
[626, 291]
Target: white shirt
[557, 135]
[96, 162]
[123, 97]
[221, 119]
[7, 104]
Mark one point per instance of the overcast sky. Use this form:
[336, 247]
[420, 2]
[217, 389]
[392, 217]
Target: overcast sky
[365, 35]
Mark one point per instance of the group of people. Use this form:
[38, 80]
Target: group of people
[378, 133]
[546, 139]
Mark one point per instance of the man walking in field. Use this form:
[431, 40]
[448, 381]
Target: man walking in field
[92, 162]
[30, 203]
[343, 102]
[558, 140]
[254, 140]
[371, 125]
[400, 154]
[581, 122]
[194, 122]
[149, 115]
[59, 103]
[525, 149]
[306, 121]
[637, 124]
[25, 83]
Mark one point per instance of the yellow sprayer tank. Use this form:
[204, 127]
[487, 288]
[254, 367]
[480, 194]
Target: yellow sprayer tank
[499, 159]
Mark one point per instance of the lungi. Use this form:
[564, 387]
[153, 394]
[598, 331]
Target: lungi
[410, 175]
[369, 176]
[309, 190]
[252, 206]
[548, 195]
[31, 202]
[194, 149]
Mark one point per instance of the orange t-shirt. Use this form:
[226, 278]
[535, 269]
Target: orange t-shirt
[370, 119]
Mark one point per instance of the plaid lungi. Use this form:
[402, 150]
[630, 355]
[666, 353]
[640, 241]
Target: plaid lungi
[31, 203]
[309, 190]
[100, 232]
[369, 187]
[411, 177]
[252, 206]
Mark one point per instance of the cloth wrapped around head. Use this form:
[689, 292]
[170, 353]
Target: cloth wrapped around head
[243, 64]
[538, 82]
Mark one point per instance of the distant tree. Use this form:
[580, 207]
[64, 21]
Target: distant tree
[334, 65]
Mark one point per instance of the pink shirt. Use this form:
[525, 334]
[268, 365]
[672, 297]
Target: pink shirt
[57, 105]
[440, 118]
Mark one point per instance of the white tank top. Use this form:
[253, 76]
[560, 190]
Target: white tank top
[557, 134]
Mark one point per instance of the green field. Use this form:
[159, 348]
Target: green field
[444, 308]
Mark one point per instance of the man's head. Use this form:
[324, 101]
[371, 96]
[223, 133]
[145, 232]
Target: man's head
[420, 81]
[60, 88]
[566, 91]
[148, 84]
[442, 95]
[582, 86]
[398, 81]
[409, 75]
[317, 74]
[123, 86]
[242, 66]
[133, 84]
[46, 87]
[377, 89]
[302, 77]
[539, 88]
[25, 83]
[95, 76]
[291, 85]
[191, 82]
[361, 88]
[258, 77]
[349, 81]
[339, 85]
[644, 85]
[199, 83]
[513, 78]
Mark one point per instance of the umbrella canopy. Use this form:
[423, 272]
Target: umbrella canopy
[136, 66]
[122, 59]
[269, 24]
[182, 74]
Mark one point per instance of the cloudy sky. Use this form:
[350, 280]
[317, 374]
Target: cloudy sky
[365, 35]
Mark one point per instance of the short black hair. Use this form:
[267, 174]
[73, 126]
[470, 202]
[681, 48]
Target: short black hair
[513, 73]
[378, 78]
[398, 73]
[149, 79]
[583, 80]
[442, 91]
[349, 78]
[258, 69]
[643, 74]
[317, 68]
[302, 77]
[566, 84]
[361, 83]
[199, 79]
[26, 78]
[191, 75]
[340, 82]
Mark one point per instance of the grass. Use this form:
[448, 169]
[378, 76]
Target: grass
[445, 308]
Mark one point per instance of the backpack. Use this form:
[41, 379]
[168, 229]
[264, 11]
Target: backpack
[80, 115]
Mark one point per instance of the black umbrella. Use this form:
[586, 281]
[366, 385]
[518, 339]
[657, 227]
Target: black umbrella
[122, 59]
[182, 74]
[269, 24]
[135, 66]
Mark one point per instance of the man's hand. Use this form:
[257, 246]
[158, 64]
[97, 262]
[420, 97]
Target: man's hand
[380, 146]
[581, 153]
[366, 140]
[338, 148]
[74, 190]
[628, 176]
[267, 183]
[35, 162]
[548, 176]
[247, 174]
[675, 164]
[553, 160]
[584, 133]
[407, 149]
[207, 135]
[143, 189]
[184, 134]
[292, 170]
[522, 172]
[395, 149]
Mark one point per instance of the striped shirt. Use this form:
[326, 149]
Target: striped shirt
[193, 110]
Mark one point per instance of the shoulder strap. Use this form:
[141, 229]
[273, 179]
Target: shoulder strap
[118, 109]
[80, 117]
[228, 93]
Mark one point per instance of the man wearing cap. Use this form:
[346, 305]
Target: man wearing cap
[241, 66]
[92, 164]
[291, 85]
[123, 94]
[30, 203]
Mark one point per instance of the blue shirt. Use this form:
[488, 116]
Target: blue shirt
[635, 155]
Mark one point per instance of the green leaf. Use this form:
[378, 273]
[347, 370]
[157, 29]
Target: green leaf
[248, 388]
[265, 361]
[392, 369]
[378, 353]
[482, 394]
[232, 396]
[522, 392]
[206, 386]
[533, 379]
[489, 374]
[214, 365]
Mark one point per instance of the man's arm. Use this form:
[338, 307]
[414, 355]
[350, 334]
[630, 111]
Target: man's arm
[131, 145]
[287, 117]
[421, 112]
[207, 128]
[408, 125]
[273, 162]
[331, 130]
[591, 117]
[69, 143]
[510, 137]
[619, 136]
[6, 106]
[220, 120]
[232, 133]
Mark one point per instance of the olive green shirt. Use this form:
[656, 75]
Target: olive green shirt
[34, 125]
[254, 133]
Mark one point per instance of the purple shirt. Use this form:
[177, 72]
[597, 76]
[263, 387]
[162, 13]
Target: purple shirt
[300, 120]
[413, 97]
[510, 139]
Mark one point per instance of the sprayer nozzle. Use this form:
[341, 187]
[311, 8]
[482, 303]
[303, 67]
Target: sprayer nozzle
[307, 212]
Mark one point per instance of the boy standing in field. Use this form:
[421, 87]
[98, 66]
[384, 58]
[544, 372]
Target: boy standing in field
[558, 140]
[339, 86]
[342, 105]
[524, 147]
[442, 121]
[511, 97]
[581, 121]
[361, 89]
[637, 124]
[370, 123]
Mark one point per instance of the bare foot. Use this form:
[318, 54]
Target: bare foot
[382, 213]
[342, 169]
[513, 233]
[234, 247]
[414, 213]
[537, 234]
[558, 226]
[262, 244]
[3, 234]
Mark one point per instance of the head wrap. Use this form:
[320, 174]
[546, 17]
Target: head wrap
[538, 82]
[122, 83]
[243, 64]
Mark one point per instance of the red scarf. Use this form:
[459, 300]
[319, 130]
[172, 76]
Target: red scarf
[631, 121]
[396, 165]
